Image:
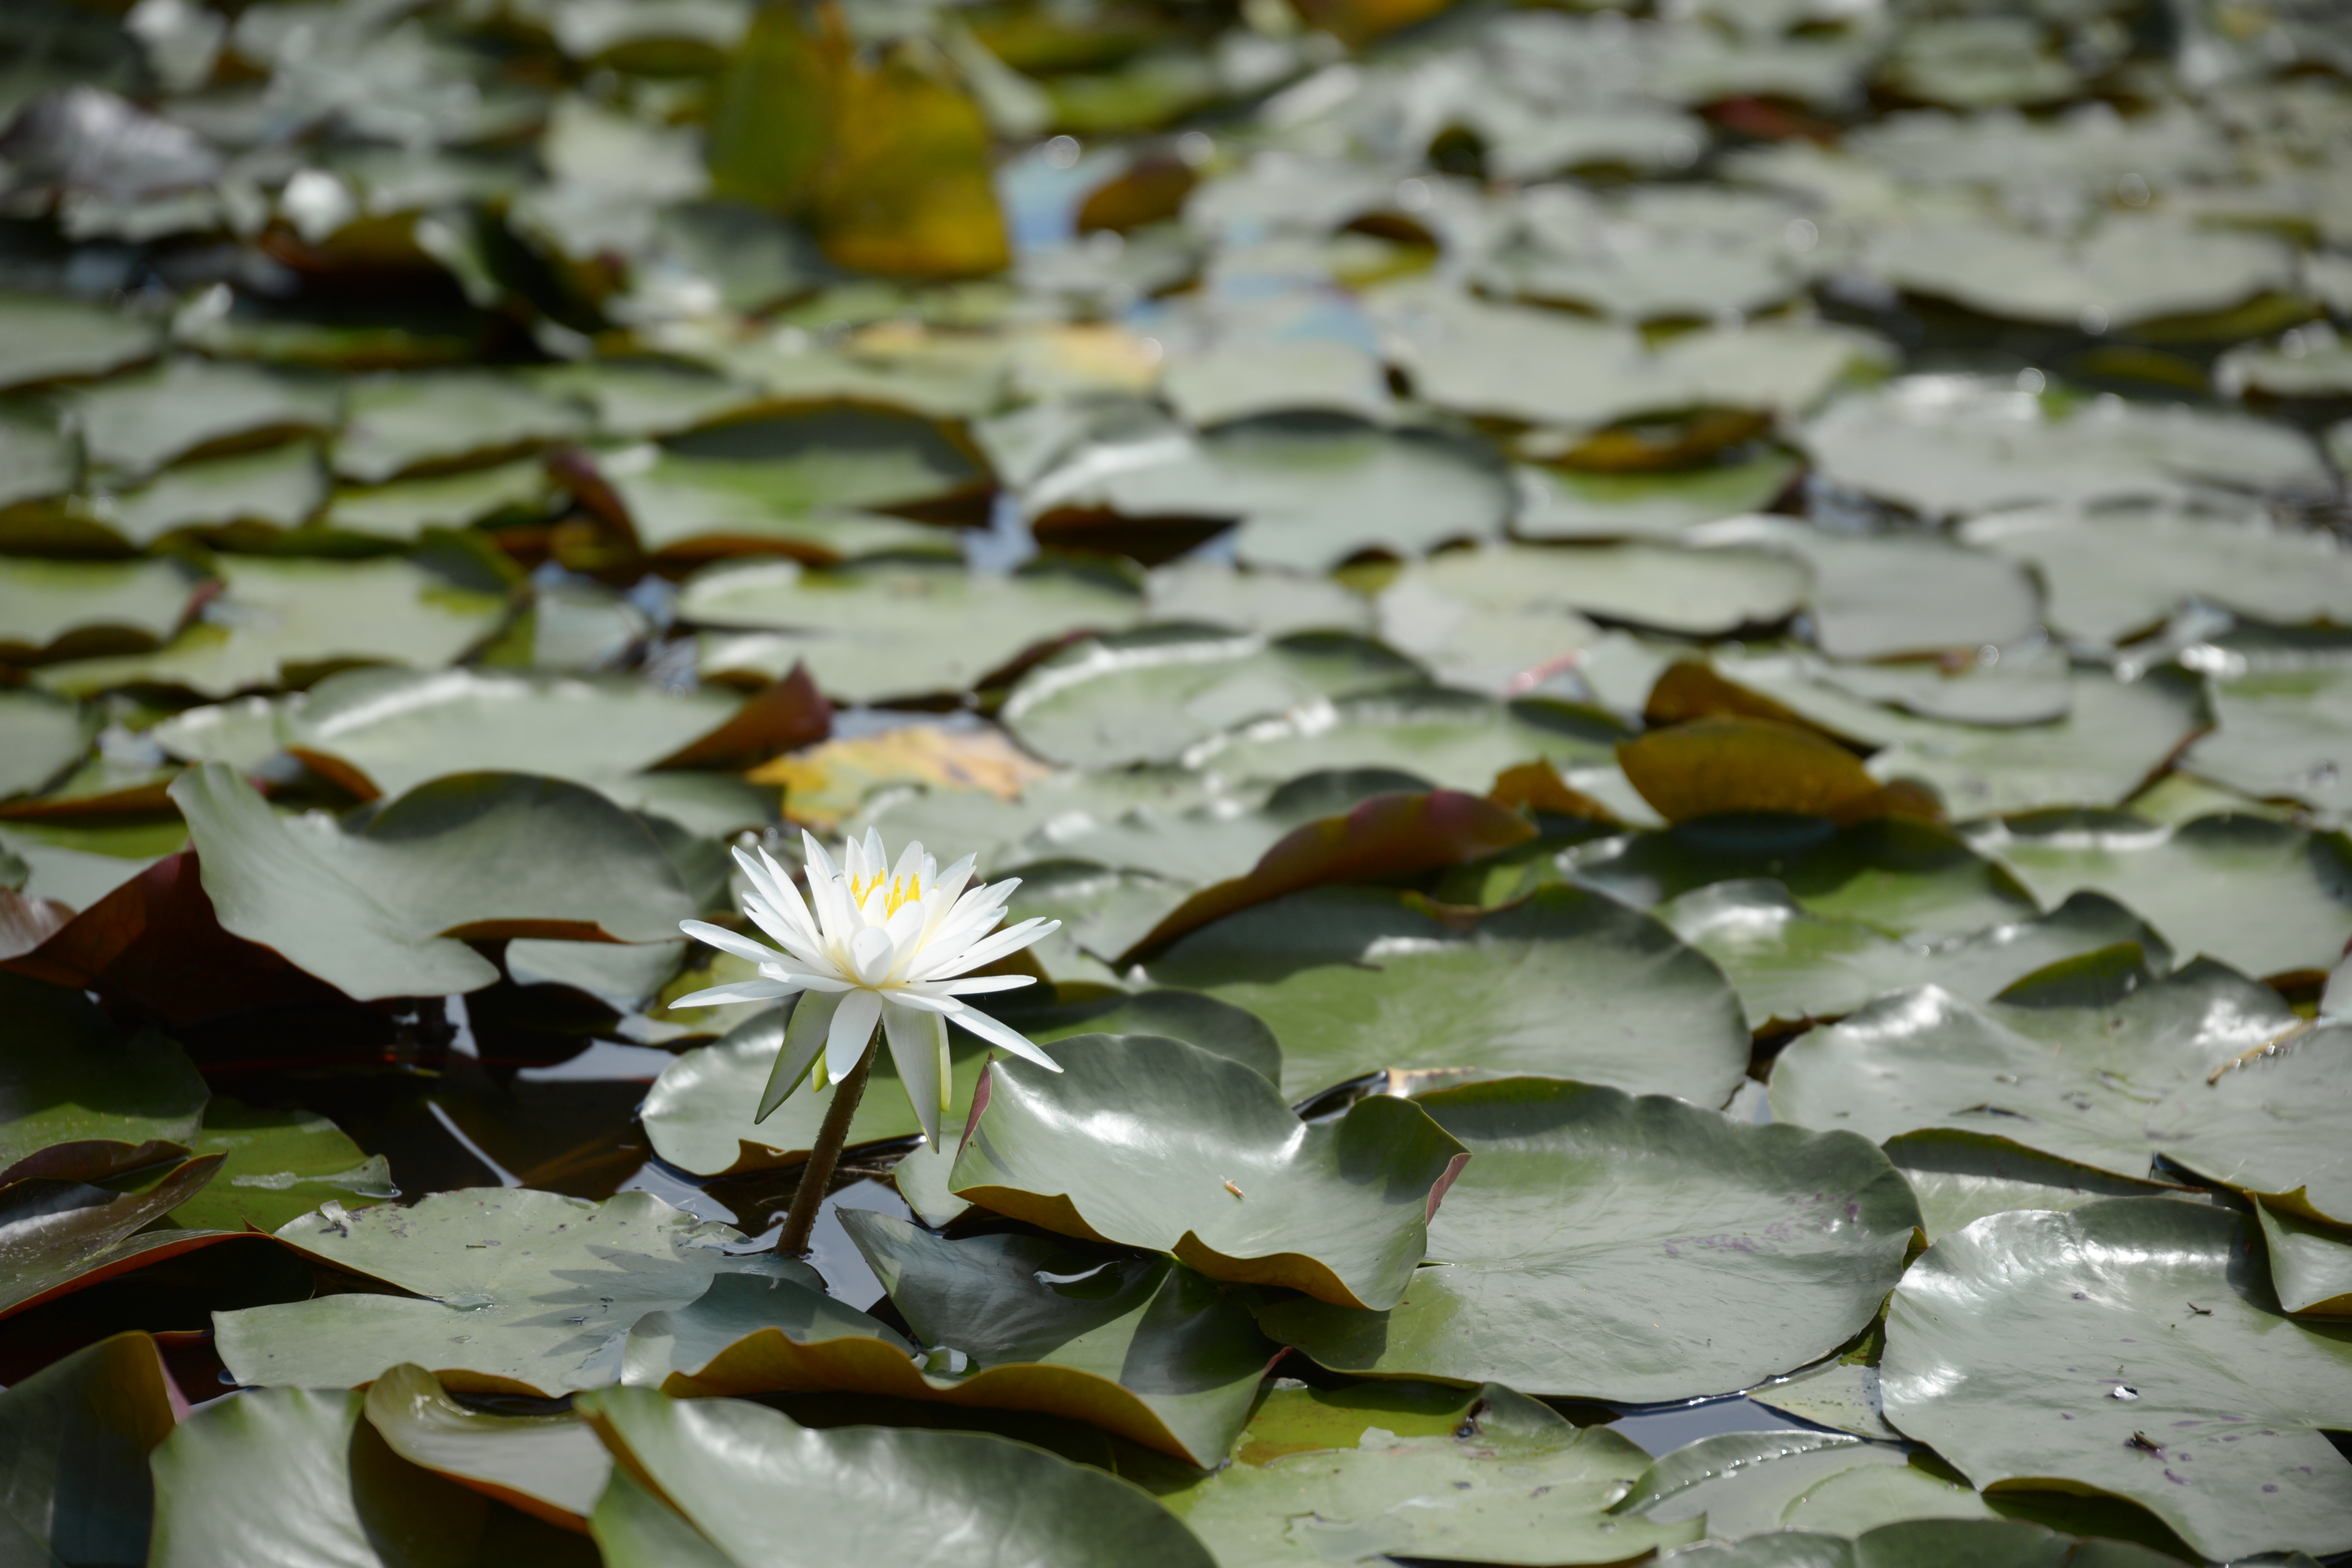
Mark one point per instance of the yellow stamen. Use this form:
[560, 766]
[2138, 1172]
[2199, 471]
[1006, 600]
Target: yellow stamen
[903, 891]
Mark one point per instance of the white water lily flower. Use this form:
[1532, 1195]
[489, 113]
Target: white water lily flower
[884, 942]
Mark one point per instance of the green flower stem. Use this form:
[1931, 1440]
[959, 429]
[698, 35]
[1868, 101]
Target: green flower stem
[816, 1176]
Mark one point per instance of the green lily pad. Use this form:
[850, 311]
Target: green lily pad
[2111, 572]
[56, 1233]
[57, 609]
[2062, 1347]
[1585, 1214]
[404, 508]
[1882, 595]
[400, 424]
[338, 1492]
[1356, 980]
[1791, 965]
[380, 908]
[2092, 1061]
[872, 632]
[1272, 603]
[768, 479]
[2263, 897]
[1339, 1208]
[1552, 368]
[1457, 739]
[40, 738]
[51, 337]
[2310, 1265]
[2108, 740]
[1141, 1346]
[285, 621]
[276, 1166]
[385, 731]
[700, 1114]
[135, 423]
[2281, 735]
[1307, 491]
[2274, 1124]
[282, 488]
[746, 1478]
[550, 1466]
[1316, 1481]
[1842, 1394]
[1150, 694]
[1960, 1176]
[1563, 504]
[69, 1075]
[78, 1434]
[1945, 444]
[1902, 876]
[1752, 1483]
[513, 1290]
[1925, 1543]
[2126, 268]
[37, 460]
[1709, 593]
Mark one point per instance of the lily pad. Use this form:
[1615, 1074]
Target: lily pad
[746, 1478]
[1753, 1483]
[58, 1233]
[2274, 1124]
[1585, 1214]
[2092, 1061]
[1340, 1208]
[339, 1494]
[40, 738]
[275, 1167]
[872, 632]
[1150, 694]
[395, 425]
[2111, 572]
[1564, 504]
[2310, 1265]
[380, 908]
[2060, 1347]
[2263, 897]
[38, 461]
[1945, 444]
[2282, 735]
[1884, 595]
[54, 339]
[1317, 1481]
[57, 609]
[1308, 491]
[1138, 1345]
[550, 1466]
[69, 1075]
[2123, 269]
[135, 423]
[1457, 739]
[1791, 965]
[542, 1306]
[1697, 594]
[1356, 980]
[279, 488]
[1272, 603]
[285, 621]
[1962, 1176]
[385, 731]
[404, 508]
[78, 1434]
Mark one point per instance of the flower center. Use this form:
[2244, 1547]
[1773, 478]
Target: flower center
[903, 891]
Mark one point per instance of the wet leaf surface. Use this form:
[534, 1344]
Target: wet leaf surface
[1597, 1242]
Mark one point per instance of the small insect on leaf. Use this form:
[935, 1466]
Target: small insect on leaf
[2201, 1312]
[1235, 1190]
[2141, 1440]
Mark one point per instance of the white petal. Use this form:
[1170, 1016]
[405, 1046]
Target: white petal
[976, 983]
[767, 921]
[813, 853]
[988, 949]
[801, 981]
[853, 1026]
[725, 941]
[917, 1039]
[911, 863]
[871, 952]
[922, 1001]
[782, 895]
[989, 1029]
[741, 991]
